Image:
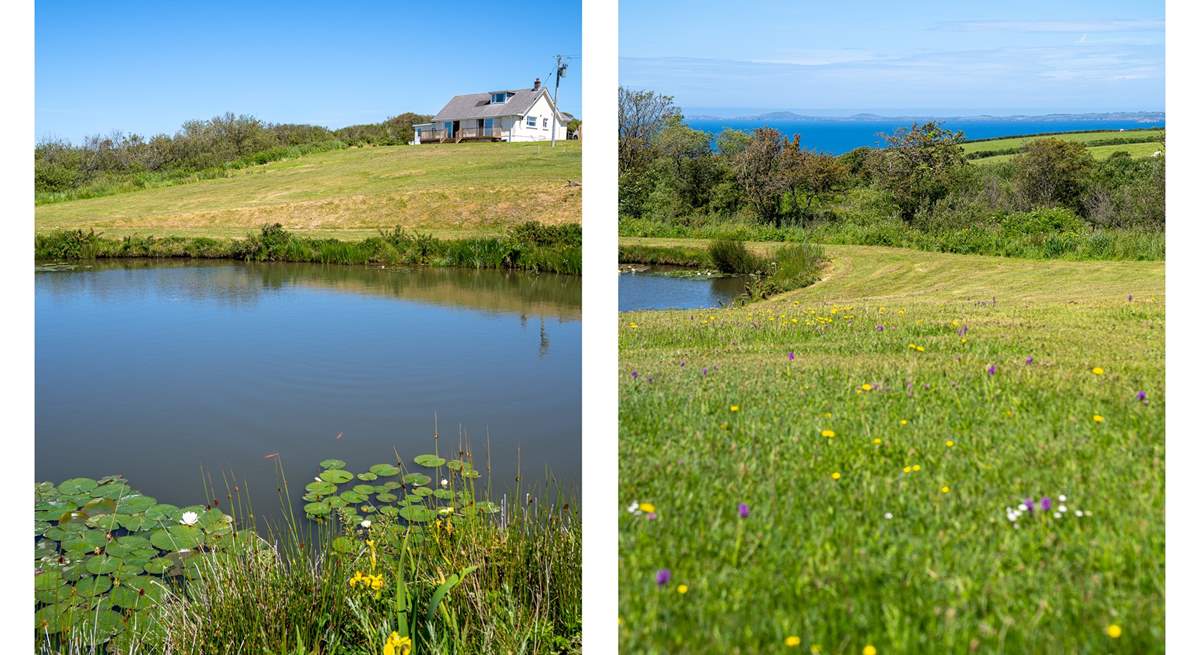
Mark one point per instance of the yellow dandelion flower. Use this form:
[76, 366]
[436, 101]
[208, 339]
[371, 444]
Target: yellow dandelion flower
[682, 589]
[815, 649]
[912, 346]
[792, 641]
[1098, 371]
[828, 415]
[1097, 418]
[837, 475]
[916, 467]
[869, 650]
[633, 326]
[647, 508]
[908, 469]
[828, 433]
[920, 349]
[867, 386]
[1113, 631]
[903, 421]
[735, 408]
[945, 489]
[877, 441]
[949, 443]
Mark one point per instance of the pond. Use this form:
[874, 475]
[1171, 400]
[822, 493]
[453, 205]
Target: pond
[675, 287]
[166, 372]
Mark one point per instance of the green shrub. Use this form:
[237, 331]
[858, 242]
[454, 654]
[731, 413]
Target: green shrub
[730, 256]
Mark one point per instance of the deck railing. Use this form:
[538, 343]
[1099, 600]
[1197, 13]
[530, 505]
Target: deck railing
[435, 134]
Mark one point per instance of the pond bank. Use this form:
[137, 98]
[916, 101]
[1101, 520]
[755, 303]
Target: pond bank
[531, 247]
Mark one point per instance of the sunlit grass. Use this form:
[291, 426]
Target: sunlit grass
[876, 455]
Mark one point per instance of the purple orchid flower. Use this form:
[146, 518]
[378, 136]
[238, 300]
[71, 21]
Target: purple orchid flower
[663, 577]
[1029, 360]
[991, 370]
[791, 356]
[1047, 503]
[743, 510]
[1141, 396]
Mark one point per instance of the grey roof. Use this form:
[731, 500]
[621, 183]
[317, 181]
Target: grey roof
[478, 105]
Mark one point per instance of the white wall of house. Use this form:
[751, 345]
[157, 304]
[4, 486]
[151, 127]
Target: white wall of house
[543, 119]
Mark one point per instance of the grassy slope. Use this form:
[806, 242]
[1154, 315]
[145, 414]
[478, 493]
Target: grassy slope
[817, 558]
[1099, 152]
[1081, 137]
[448, 190]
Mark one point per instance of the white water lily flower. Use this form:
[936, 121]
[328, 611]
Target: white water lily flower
[189, 518]
[366, 523]
[445, 482]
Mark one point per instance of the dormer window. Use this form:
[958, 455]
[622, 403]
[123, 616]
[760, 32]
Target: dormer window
[501, 97]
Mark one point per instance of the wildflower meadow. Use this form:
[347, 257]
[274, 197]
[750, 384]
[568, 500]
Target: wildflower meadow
[920, 453]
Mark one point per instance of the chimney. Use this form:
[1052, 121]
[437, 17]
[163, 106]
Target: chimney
[537, 84]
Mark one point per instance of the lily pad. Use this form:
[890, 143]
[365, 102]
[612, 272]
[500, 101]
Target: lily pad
[76, 486]
[99, 564]
[336, 476]
[317, 509]
[385, 470]
[321, 487]
[364, 489]
[367, 477]
[352, 497]
[386, 497]
[176, 538]
[429, 461]
[417, 478]
[417, 514]
[90, 587]
[333, 464]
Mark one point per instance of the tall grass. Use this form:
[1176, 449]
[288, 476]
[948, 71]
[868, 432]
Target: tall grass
[529, 247]
[981, 239]
[470, 582]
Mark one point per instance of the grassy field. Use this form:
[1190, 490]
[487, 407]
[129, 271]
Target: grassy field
[447, 190]
[843, 466]
[1138, 146]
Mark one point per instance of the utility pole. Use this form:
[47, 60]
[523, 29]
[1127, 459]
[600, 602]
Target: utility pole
[560, 71]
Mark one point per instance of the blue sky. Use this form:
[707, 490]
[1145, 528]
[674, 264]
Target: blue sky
[934, 57]
[148, 67]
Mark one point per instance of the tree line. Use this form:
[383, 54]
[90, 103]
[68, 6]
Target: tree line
[671, 173]
[101, 164]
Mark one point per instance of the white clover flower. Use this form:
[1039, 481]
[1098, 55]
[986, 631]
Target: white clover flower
[633, 507]
[189, 518]
[366, 523]
[1057, 515]
[1062, 508]
[887, 515]
[1062, 498]
[1078, 513]
[1023, 507]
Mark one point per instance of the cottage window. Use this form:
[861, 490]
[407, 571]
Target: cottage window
[531, 121]
[499, 98]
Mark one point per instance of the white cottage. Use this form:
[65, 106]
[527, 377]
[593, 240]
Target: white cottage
[513, 115]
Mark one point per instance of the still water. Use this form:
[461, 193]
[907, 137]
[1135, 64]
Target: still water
[163, 372]
[660, 287]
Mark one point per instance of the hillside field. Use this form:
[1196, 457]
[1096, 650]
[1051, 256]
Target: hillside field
[1098, 143]
[447, 190]
[845, 465]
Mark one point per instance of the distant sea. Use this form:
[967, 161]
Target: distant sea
[839, 136]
